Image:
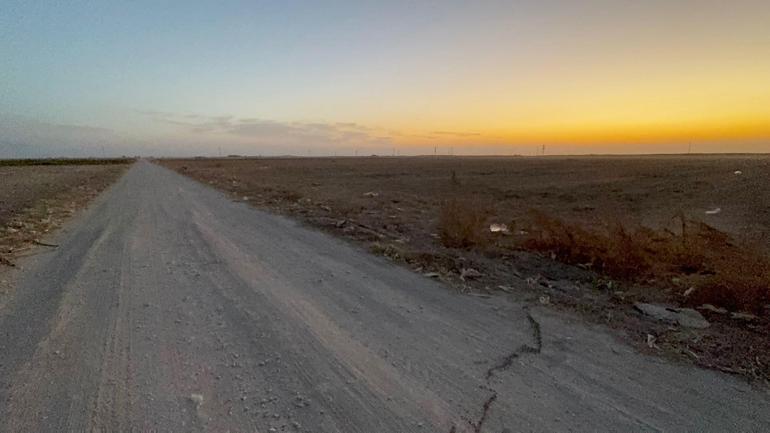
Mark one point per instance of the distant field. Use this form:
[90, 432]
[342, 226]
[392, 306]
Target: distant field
[63, 161]
[37, 195]
[590, 233]
[593, 191]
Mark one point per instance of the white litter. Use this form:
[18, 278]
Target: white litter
[197, 399]
[498, 228]
[714, 211]
[738, 172]
[651, 340]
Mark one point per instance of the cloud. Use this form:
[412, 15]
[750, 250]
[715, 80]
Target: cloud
[456, 134]
[22, 137]
[263, 131]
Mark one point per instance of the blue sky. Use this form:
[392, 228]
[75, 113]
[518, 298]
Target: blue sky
[327, 77]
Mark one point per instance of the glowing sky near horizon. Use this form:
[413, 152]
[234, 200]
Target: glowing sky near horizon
[289, 77]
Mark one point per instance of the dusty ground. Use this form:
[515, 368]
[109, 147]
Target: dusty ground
[168, 307]
[36, 199]
[392, 205]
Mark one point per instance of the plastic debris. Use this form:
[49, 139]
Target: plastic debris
[651, 340]
[714, 211]
[738, 172]
[498, 228]
[748, 317]
[713, 309]
[470, 274]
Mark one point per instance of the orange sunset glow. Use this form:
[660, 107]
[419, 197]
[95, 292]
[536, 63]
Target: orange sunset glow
[494, 77]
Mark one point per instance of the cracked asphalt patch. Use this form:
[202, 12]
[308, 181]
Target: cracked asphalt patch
[524, 349]
[168, 307]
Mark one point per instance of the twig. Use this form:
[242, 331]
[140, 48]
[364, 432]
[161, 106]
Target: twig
[37, 242]
[7, 262]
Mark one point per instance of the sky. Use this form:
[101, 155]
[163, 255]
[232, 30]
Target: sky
[361, 77]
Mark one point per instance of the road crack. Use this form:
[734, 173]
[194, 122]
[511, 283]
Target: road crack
[504, 364]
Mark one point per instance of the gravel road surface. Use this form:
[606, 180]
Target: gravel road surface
[168, 307]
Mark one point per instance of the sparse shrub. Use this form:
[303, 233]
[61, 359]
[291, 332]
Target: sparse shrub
[462, 223]
[388, 250]
[723, 273]
[736, 287]
[454, 180]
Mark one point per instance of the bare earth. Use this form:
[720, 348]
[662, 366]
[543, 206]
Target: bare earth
[169, 307]
[35, 200]
[391, 207]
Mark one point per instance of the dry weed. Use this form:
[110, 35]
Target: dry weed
[462, 224]
[722, 273]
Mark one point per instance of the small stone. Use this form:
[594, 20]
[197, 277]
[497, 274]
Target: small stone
[685, 317]
[470, 274]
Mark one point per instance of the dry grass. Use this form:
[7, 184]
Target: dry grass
[35, 199]
[461, 224]
[721, 272]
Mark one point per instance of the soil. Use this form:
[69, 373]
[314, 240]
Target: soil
[392, 205]
[36, 199]
[168, 307]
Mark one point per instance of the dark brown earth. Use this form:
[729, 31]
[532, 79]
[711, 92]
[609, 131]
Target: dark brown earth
[392, 206]
[35, 199]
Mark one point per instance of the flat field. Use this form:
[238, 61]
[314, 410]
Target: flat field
[434, 214]
[593, 191]
[38, 195]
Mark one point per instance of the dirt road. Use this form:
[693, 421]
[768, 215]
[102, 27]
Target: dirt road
[168, 307]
